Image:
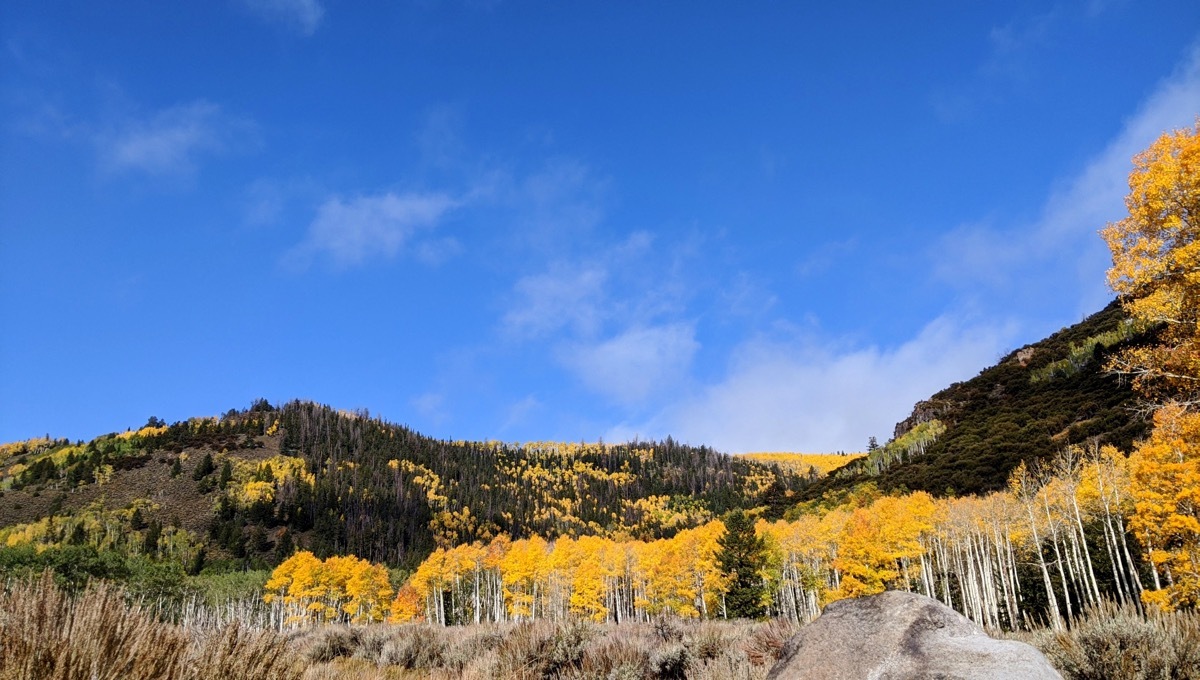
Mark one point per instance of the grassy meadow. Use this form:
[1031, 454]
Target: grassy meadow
[101, 633]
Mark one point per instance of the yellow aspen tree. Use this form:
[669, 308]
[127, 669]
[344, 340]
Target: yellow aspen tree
[589, 590]
[493, 558]
[429, 582]
[1156, 255]
[1165, 485]
[561, 565]
[337, 572]
[862, 558]
[829, 532]
[702, 544]
[299, 583]
[470, 559]
[521, 570]
[1023, 486]
[408, 605]
[669, 587]
[369, 592]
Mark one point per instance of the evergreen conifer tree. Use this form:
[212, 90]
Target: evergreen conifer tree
[742, 556]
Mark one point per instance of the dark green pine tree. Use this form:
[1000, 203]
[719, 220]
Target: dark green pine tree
[226, 475]
[742, 556]
[204, 468]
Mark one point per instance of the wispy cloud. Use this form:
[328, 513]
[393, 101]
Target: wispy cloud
[349, 231]
[302, 16]
[170, 141]
[636, 364]
[618, 331]
[1062, 243]
[519, 412]
[1013, 45]
[267, 202]
[1011, 60]
[809, 394]
[563, 297]
[558, 206]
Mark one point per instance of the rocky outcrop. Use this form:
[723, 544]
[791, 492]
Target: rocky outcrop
[923, 412]
[903, 636]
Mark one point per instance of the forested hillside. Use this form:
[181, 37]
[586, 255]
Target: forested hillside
[967, 438]
[252, 485]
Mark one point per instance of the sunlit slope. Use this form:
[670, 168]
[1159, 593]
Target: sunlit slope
[802, 463]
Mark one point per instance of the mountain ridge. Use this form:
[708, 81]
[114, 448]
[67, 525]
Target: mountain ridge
[1036, 400]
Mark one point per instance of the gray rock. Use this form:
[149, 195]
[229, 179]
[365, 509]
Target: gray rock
[903, 636]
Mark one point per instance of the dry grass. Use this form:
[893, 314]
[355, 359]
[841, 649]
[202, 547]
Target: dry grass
[568, 650]
[49, 635]
[1119, 642]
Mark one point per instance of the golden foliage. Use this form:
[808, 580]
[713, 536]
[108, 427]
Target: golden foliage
[1156, 256]
[340, 588]
[822, 463]
[1166, 488]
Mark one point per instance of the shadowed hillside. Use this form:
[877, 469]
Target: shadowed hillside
[252, 485]
[1037, 400]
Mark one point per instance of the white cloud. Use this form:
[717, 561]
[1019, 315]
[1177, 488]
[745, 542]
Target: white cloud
[269, 202]
[564, 297]
[559, 206]
[302, 16]
[805, 395]
[349, 231]
[170, 141]
[820, 395]
[637, 364]
[1062, 243]
[616, 329]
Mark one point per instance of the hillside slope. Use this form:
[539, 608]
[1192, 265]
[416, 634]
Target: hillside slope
[250, 485]
[1045, 396]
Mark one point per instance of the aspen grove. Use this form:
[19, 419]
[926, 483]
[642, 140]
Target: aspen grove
[1052, 544]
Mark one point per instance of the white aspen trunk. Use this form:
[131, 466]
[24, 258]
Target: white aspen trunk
[1153, 566]
[1075, 570]
[997, 544]
[1087, 553]
[1057, 553]
[477, 600]
[944, 558]
[1137, 578]
[963, 583]
[1050, 596]
[926, 568]
[989, 580]
[1110, 544]
[979, 591]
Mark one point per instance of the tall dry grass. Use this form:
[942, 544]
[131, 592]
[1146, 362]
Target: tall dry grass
[46, 634]
[569, 650]
[1120, 642]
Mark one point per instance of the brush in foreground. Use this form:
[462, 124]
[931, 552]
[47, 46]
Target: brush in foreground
[48, 634]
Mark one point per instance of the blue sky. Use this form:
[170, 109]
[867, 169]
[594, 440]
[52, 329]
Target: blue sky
[759, 226]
